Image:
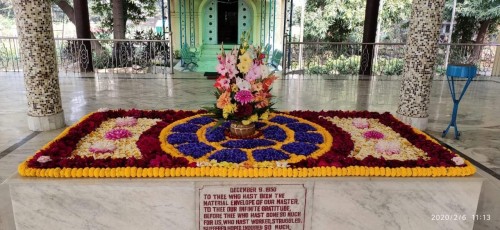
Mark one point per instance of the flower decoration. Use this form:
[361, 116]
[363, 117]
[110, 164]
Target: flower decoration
[102, 147]
[360, 123]
[243, 85]
[126, 121]
[44, 159]
[372, 134]
[388, 147]
[458, 160]
[116, 134]
[156, 150]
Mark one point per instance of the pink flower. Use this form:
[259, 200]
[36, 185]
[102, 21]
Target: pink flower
[44, 159]
[244, 96]
[372, 134]
[116, 134]
[222, 83]
[221, 69]
[221, 58]
[360, 123]
[125, 121]
[388, 147]
[253, 73]
[102, 147]
[458, 160]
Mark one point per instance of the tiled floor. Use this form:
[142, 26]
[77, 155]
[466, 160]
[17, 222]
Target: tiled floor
[478, 115]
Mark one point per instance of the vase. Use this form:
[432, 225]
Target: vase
[240, 130]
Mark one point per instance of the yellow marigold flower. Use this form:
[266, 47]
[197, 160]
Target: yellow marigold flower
[228, 109]
[254, 118]
[246, 122]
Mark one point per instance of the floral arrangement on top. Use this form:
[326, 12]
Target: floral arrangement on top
[244, 84]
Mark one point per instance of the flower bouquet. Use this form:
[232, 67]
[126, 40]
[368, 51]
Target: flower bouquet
[243, 87]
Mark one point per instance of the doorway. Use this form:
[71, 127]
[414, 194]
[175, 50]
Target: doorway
[227, 21]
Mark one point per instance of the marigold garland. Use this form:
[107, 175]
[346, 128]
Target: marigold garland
[180, 165]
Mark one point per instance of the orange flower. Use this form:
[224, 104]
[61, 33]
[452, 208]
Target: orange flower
[268, 82]
[257, 86]
[223, 100]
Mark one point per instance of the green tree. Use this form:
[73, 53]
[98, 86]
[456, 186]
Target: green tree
[113, 15]
[394, 20]
[334, 20]
[474, 17]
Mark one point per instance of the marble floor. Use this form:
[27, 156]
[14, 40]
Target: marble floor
[478, 114]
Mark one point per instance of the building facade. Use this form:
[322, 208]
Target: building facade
[202, 23]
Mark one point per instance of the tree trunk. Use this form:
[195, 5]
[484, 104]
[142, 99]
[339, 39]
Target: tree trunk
[83, 31]
[119, 29]
[369, 35]
[481, 34]
[70, 13]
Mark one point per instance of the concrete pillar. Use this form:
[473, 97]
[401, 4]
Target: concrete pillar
[420, 57]
[496, 63]
[38, 56]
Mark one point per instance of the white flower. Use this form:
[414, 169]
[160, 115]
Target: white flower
[125, 121]
[44, 159]
[243, 84]
[458, 160]
[264, 71]
[203, 164]
[102, 147]
[281, 164]
[103, 110]
[388, 147]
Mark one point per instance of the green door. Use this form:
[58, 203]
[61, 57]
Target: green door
[244, 19]
[211, 27]
[210, 23]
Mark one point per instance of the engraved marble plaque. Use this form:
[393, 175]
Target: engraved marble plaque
[252, 207]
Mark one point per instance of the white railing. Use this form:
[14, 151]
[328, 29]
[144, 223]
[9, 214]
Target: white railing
[336, 58]
[108, 55]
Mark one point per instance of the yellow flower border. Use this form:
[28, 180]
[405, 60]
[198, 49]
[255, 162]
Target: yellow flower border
[157, 172]
[240, 172]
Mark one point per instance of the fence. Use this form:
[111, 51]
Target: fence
[108, 56]
[154, 56]
[345, 58]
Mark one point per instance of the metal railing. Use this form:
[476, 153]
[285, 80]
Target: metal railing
[334, 58]
[108, 55]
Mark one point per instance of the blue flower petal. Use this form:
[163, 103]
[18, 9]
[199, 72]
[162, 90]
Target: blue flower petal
[301, 127]
[229, 155]
[314, 138]
[226, 124]
[186, 128]
[274, 133]
[247, 143]
[269, 155]
[201, 120]
[195, 150]
[300, 148]
[215, 135]
[259, 125]
[181, 138]
[283, 120]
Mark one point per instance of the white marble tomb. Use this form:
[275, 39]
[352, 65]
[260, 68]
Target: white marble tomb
[172, 203]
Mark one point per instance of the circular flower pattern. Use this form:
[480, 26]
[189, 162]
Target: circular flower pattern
[284, 138]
